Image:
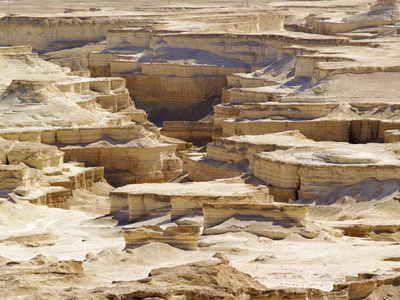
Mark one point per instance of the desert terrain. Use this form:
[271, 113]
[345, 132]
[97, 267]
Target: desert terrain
[200, 150]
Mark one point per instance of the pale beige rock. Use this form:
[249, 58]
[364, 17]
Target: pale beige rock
[384, 12]
[46, 33]
[36, 173]
[207, 279]
[184, 236]
[138, 160]
[198, 133]
[184, 85]
[178, 95]
[201, 168]
[275, 221]
[302, 76]
[40, 107]
[234, 156]
[307, 170]
[290, 164]
[183, 198]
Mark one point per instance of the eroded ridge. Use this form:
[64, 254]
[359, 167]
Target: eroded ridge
[93, 120]
[293, 166]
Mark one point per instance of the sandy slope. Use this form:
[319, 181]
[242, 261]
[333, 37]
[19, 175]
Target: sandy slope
[28, 230]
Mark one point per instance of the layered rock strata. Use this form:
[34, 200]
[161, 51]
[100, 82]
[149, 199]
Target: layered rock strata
[305, 171]
[188, 70]
[197, 133]
[383, 13]
[56, 32]
[275, 221]
[184, 237]
[36, 173]
[92, 119]
[293, 166]
[183, 198]
[311, 89]
[136, 161]
[234, 156]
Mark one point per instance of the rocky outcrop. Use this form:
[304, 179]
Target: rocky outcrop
[293, 166]
[367, 286]
[308, 88]
[136, 161]
[234, 156]
[197, 133]
[188, 79]
[379, 232]
[93, 120]
[184, 237]
[275, 221]
[305, 171]
[183, 198]
[207, 279]
[54, 33]
[384, 12]
[25, 275]
[36, 173]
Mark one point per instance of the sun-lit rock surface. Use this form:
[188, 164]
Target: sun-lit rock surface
[383, 13]
[182, 73]
[183, 198]
[296, 100]
[293, 166]
[274, 221]
[36, 173]
[92, 120]
[139, 160]
[184, 237]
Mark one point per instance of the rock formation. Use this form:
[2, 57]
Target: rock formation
[208, 280]
[188, 70]
[185, 237]
[298, 102]
[275, 221]
[36, 173]
[45, 33]
[183, 198]
[197, 133]
[293, 166]
[383, 13]
[91, 120]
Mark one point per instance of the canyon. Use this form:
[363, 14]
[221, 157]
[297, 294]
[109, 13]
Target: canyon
[213, 150]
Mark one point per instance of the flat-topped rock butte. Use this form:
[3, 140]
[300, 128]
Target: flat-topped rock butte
[184, 150]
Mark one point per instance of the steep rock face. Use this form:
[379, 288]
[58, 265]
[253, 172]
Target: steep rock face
[53, 33]
[313, 89]
[184, 237]
[175, 98]
[307, 170]
[183, 198]
[293, 166]
[197, 133]
[137, 161]
[233, 156]
[384, 12]
[36, 173]
[188, 71]
[275, 221]
[95, 115]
